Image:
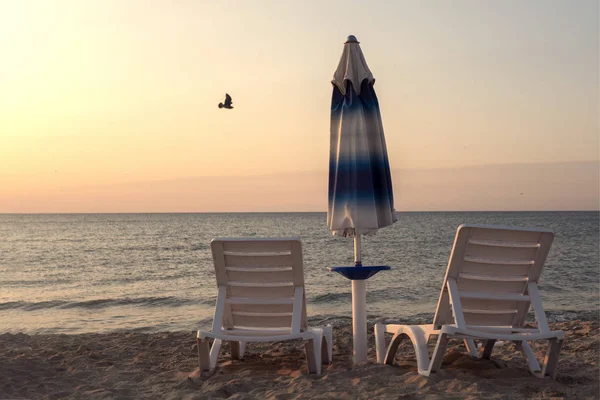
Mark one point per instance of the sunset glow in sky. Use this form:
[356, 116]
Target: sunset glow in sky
[97, 96]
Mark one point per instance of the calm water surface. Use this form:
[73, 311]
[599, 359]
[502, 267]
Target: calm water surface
[151, 272]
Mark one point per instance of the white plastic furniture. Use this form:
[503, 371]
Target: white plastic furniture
[489, 287]
[261, 299]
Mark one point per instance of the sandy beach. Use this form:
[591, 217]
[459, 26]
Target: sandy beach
[164, 365]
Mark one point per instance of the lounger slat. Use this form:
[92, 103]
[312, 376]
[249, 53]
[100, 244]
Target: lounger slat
[261, 285]
[497, 269]
[262, 308]
[498, 261]
[502, 253]
[258, 276]
[489, 286]
[493, 296]
[261, 301]
[489, 319]
[505, 235]
[258, 261]
[257, 246]
[500, 329]
[263, 321]
[493, 278]
[501, 243]
[258, 269]
[261, 291]
[499, 311]
[256, 253]
[488, 305]
[260, 314]
[256, 332]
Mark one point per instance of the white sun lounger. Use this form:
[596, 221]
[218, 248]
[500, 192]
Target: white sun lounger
[261, 299]
[490, 284]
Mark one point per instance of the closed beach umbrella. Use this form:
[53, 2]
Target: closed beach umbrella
[361, 200]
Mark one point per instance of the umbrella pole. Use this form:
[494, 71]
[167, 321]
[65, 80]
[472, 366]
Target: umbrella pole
[359, 305]
[357, 251]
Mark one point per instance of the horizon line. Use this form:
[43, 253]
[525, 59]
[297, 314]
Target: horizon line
[289, 212]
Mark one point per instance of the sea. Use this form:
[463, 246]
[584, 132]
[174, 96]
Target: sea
[83, 273]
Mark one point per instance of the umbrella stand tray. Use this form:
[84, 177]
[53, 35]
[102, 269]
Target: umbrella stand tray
[358, 272]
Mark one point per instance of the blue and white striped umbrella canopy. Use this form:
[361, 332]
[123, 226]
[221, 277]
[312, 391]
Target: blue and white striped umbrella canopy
[361, 199]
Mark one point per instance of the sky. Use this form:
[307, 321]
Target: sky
[101, 97]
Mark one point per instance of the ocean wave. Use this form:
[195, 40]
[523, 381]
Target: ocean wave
[176, 247]
[169, 301]
[146, 278]
[31, 306]
[571, 315]
[372, 296]
[331, 297]
[550, 288]
[414, 319]
[44, 282]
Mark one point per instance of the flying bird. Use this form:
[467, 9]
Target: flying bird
[227, 103]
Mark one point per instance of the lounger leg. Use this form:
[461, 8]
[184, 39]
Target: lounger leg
[214, 352]
[471, 348]
[438, 353]
[237, 349]
[327, 345]
[312, 348]
[486, 350]
[418, 335]
[532, 362]
[203, 355]
[380, 342]
[551, 360]
[393, 348]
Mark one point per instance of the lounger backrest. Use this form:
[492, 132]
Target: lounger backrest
[492, 277]
[261, 283]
